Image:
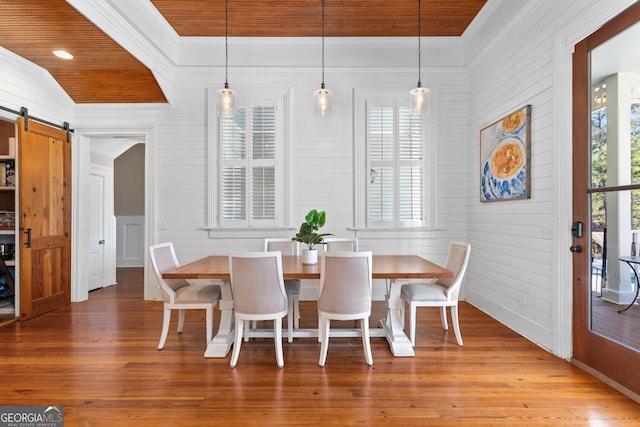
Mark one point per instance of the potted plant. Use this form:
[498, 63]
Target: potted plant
[308, 235]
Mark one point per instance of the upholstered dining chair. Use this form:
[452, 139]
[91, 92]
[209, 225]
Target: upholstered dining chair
[345, 294]
[258, 294]
[179, 294]
[341, 244]
[441, 293]
[288, 247]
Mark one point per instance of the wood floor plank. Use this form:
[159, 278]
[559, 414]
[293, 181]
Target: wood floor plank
[99, 360]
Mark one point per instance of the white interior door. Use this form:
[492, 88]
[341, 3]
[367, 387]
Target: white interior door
[96, 232]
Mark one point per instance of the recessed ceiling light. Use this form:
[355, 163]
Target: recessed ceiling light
[62, 54]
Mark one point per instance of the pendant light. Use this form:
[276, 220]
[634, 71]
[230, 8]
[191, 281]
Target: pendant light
[226, 97]
[323, 95]
[418, 96]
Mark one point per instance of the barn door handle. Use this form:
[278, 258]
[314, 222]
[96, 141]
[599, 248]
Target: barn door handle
[28, 242]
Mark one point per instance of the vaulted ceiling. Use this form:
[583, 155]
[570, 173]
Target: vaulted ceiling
[104, 72]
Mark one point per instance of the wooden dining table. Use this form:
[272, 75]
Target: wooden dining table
[395, 269]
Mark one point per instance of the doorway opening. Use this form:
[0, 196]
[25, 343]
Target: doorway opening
[117, 216]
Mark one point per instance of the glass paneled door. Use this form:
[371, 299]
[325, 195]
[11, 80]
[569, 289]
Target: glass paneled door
[606, 199]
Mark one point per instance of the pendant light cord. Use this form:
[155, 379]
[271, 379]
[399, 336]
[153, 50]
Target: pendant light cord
[322, 84]
[226, 44]
[419, 45]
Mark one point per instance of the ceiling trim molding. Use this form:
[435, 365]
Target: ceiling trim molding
[300, 53]
[110, 18]
[493, 18]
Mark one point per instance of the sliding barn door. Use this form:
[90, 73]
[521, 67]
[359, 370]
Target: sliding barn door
[44, 188]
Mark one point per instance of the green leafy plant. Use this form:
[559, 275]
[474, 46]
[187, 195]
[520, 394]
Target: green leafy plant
[308, 234]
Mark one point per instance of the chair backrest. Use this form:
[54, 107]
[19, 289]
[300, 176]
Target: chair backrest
[457, 260]
[284, 245]
[345, 282]
[257, 283]
[163, 259]
[341, 244]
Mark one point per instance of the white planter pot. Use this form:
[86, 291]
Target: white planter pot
[309, 256]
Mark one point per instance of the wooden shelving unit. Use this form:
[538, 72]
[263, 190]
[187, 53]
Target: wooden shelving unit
[8, 203]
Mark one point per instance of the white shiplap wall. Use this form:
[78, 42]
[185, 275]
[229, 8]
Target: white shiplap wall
[321, 153]
[518, 271]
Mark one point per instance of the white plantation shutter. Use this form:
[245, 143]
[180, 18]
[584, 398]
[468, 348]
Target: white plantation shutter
[248, 195]
[410, 165]
[381, 154]
[234, 182]
[395, 147]
[263, 188]
[263, 196]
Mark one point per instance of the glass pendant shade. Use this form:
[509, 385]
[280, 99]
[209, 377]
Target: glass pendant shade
[418, 99]
[323, 100]
[227, 99]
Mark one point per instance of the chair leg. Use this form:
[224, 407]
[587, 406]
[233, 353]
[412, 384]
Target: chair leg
[166, 320]
[209, 328]
[290, 318]
[323, 329]
[412, 324]
[320, 329]
[277, 336]
[182, 312]
[366, 342]
[247, 327]
[237, 342]
[296, 313]
[443, 318]
[456, 324]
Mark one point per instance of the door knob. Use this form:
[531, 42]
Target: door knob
[576, 249]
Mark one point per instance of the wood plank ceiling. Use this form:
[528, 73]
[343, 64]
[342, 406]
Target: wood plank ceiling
[104, 72]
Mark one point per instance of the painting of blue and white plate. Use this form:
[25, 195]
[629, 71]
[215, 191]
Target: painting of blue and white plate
[504, 156]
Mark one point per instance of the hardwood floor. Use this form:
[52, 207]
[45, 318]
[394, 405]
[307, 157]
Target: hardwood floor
[99, 360]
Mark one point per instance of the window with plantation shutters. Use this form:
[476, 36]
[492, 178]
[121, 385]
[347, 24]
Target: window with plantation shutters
[250, 163]
[393, 145]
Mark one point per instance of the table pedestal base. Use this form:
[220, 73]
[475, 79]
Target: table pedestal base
[221, 343]
[391, 327]
[393, 323]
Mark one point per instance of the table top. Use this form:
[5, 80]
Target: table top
[384, 267]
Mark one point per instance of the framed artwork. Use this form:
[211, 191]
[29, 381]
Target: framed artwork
[504, 158]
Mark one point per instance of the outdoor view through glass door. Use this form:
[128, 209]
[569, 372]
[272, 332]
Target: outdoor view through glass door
[614, 189]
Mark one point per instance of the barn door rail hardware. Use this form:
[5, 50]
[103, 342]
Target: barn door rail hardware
[24, 113]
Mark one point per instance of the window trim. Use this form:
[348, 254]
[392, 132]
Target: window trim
[281, 97]
[361, 98]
